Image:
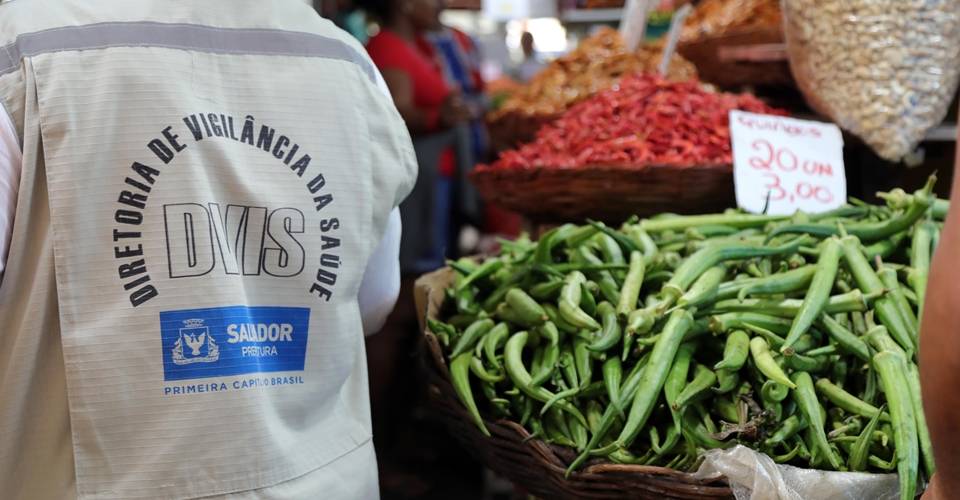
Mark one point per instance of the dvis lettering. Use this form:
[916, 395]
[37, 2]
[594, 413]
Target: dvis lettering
[244, 240]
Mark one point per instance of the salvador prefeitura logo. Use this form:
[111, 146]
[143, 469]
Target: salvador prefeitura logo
[200, 346]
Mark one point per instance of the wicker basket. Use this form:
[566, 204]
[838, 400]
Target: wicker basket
[531, 463]
[607, 193]
[748, 56]
[510, 130]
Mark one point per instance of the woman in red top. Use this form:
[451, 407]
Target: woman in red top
[431, 109]
[424, 99]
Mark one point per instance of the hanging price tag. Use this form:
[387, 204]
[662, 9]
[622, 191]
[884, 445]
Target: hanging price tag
[785, 165]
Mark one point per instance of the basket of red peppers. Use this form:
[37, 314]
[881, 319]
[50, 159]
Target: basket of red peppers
[645, 146]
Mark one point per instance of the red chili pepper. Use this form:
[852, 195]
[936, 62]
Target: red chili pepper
[645, 120]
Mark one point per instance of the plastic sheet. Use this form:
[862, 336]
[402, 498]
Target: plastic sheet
[885, 70]
[755, 476]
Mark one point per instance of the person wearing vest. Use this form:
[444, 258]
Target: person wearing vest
[197, 225]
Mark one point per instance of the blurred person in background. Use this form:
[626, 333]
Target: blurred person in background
[433, 110]
[347, 16]
[458, 54]
[458, 57]
[531, 64]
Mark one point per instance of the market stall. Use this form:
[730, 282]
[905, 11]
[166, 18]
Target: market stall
[649, 344]
[627, 351]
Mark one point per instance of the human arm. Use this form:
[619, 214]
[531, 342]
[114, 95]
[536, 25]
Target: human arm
[401, 89]
[940, 355]
[422, 120]
[381, 280]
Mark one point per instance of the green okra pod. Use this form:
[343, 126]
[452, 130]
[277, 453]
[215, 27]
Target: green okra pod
[627, 393]
[786, 282]
[860, 451]
[547, 290]
[613, 377]
[735, 351]
[851, 301]
[870, 283]
[806, 398]
[493, 341]
[711, 255]
[774, 392]
[677, 379]
[722, 323]
[513, 359]
[808, 364]
[568, 367]
[923, 432]
[888, 276]
[471, 336]
[630, 292]
[891, 367]
[817, 295]
[551, 354]
[610, 329]
[727, 410]
[587, 301]
[763, 359]
[569, 305]
[847, 401]
[846, 339]
[482, 271]
[594, 416]
[739, 221]
[726, 381]
[477, 368]
[921, 250]
[460, 376]
[554, 316]
[870, 231]
[583, 362]
[655, 374]
[703, 380]
[788, 428]
[704, 289]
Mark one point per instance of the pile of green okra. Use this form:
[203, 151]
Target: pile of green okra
[795, 336]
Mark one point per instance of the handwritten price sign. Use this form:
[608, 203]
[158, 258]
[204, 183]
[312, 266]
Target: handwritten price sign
[786, 164]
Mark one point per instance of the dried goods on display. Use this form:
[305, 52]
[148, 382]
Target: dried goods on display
[597, 64]
[884, 70]
[642, 121]
[717, 17]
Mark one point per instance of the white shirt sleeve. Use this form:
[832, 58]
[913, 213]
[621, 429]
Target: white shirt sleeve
[11, 159]
[381, 281]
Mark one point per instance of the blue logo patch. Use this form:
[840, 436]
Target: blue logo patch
[225, 341]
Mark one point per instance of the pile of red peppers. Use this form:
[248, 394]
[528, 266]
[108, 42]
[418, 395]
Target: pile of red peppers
[645, 120]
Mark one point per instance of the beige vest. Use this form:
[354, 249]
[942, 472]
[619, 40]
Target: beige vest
[202, 186]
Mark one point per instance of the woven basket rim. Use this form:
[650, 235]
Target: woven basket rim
[608, 192]
[590, 169]
[736, 34]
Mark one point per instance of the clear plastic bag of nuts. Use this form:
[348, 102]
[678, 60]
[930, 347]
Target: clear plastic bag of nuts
[885, 70]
